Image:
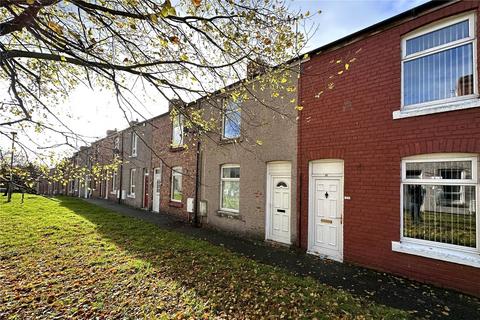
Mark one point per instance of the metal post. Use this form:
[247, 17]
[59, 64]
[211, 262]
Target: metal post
[10, 184]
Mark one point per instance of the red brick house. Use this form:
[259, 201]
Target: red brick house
[173, 166]
[389, 142]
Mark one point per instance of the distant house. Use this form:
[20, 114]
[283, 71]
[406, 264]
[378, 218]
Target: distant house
[388, 150]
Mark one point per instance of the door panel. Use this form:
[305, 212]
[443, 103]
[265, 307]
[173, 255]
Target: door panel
[157, 180]
[327, 218]
[280, 209]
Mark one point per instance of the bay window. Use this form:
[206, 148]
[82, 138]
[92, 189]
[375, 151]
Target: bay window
[438, 63]
[230, 188]
[439, 206]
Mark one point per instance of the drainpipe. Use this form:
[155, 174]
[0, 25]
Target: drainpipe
[121, 174]
[197, 186]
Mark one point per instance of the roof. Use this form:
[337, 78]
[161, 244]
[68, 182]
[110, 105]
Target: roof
[409, 14]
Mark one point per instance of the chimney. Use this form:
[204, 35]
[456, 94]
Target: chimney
[110, 132]
[133, 122]
[255, 68]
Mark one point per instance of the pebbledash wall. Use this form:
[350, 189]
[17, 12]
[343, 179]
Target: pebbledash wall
[356, 120]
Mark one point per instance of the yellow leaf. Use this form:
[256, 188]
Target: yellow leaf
[184, 57]
[340, 72]
[62, 58]
[259, 142]
[299, 108]
[154, 18]
[168, 10]
[55, 27]
[30, 1]
[347, 66]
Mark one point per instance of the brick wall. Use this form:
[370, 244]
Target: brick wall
[166, 157]
[353, 121]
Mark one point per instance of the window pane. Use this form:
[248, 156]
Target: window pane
[177, 187]
[231, 124]
[438, 37]
[439, 170]
[231, 172]
[231, 195]
[232, 106]
[441, 75]
[444, 214]
[177, 131]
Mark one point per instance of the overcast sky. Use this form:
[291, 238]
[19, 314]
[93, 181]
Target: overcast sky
[94, 111]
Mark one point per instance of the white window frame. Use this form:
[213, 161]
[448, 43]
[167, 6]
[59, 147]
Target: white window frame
[131, 189]
[448, 104]
[176, 171]
[225, 113]
[134, 144]
[116, 143]
[222, 179]
[437, 250]
[114, 182]
[180, 125]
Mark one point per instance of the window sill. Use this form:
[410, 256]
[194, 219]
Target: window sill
[131, 196]
[175, 204]
[229, 214]
[438, 108]
[230, 140]
[177, 149]
[114, 192]
[449, 255]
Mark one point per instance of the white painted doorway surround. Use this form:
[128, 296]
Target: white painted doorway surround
[278, 204]
[325, 209]
[157, 182]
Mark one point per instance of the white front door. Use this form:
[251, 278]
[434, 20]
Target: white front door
[326, 218]
[157, 181]
[280, 209]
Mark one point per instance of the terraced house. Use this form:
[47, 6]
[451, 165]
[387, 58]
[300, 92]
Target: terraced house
[388, 158]
[248, 162]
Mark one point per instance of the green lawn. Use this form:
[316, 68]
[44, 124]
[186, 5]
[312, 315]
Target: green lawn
[64, 257]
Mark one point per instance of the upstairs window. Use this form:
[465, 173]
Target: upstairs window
[438, 63]
[231, 120]
[177, 131]
[134, 144]
[116, 143]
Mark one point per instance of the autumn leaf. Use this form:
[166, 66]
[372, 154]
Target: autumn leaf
[197, 3]
[168, 9]
[55, 27]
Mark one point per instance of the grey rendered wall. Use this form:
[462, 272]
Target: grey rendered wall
[277, 135]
